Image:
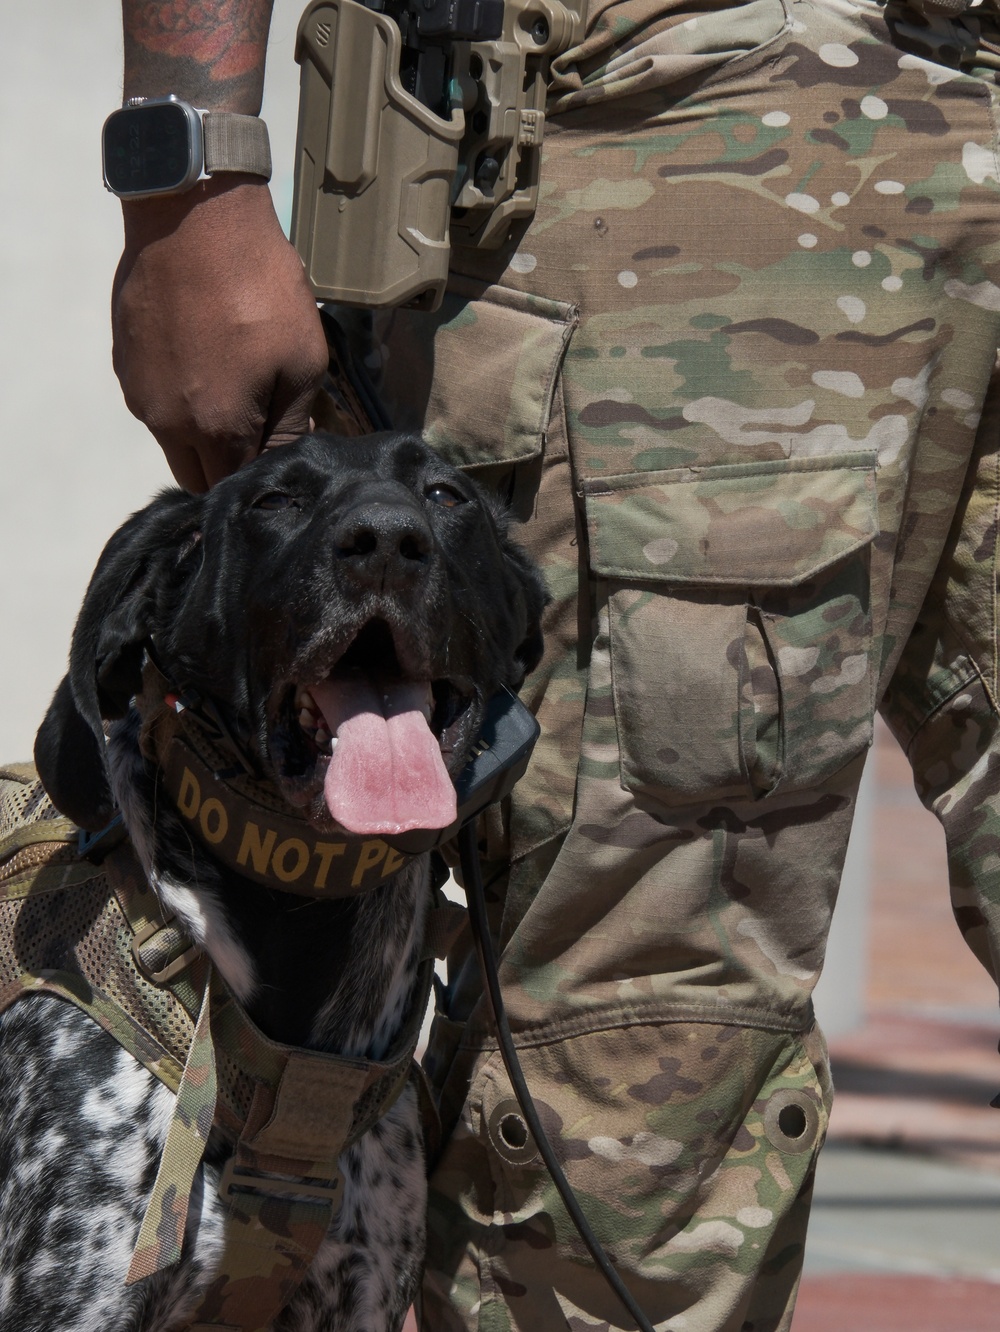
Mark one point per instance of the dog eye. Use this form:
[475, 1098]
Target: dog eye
[445, 496]
[274, 499]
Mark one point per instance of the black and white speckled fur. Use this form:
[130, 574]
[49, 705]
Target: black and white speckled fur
[81, 1124]
[91, 1124]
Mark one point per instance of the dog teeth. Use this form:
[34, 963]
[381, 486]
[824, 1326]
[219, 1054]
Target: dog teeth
[310, 717]
[313, 722]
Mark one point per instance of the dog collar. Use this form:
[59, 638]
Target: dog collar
[276, 850]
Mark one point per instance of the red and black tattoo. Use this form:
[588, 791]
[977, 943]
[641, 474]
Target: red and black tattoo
[208, 51]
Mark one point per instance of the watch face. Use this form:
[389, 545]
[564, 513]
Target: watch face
[150, 149]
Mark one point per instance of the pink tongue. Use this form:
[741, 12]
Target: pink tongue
[386, 775]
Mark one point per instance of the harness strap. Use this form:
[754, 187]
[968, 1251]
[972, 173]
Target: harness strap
[282, 1187]
[38, 834]
[161, 1235]
[274, 1225]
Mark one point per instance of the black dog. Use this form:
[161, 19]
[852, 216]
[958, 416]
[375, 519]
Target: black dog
[317, 639]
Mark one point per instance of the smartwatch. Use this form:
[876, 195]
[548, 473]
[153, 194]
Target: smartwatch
[163, 145]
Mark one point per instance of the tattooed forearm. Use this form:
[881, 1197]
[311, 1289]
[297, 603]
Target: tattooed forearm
[209, 51]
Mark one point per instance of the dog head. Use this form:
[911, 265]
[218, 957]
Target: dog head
[345, 606]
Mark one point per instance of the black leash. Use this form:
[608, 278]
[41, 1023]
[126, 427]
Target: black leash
[491, 981]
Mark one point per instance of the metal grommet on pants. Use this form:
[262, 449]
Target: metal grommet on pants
[791, 1120]
[509, 1133]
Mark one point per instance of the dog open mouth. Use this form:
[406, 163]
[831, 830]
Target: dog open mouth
[367, 745]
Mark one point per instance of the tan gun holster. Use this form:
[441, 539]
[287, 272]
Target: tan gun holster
[384, 182]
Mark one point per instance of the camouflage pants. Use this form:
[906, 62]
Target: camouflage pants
[734, 377]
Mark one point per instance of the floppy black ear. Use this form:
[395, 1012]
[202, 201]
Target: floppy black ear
[70, 761]
[139, 569]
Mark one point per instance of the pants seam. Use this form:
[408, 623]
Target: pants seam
[737, 1016]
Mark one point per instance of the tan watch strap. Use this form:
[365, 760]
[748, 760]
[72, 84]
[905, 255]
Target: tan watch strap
[236, 143]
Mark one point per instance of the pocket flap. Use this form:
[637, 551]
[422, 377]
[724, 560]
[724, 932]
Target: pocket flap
[749, 524]
[476, 377]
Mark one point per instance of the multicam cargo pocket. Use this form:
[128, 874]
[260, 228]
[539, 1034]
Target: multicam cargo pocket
[740, 622]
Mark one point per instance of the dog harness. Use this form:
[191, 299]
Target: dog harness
[78, 919]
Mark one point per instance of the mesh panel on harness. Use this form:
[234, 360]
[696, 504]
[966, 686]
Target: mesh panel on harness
[22, 800]
[64, 921]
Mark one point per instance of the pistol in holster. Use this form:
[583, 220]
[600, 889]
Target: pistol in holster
[420, 125]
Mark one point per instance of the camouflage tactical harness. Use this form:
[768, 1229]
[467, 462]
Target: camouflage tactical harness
[80, 921]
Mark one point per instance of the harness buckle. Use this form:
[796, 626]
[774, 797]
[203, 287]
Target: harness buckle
[240, 1179]
[174, 965]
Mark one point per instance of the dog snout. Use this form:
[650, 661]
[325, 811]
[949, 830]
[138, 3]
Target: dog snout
[384, 544]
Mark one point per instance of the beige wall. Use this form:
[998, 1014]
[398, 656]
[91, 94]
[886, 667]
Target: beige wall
[73, 462]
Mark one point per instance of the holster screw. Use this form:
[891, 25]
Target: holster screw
[487, 172]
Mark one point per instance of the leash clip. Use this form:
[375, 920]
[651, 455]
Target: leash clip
[95, 846]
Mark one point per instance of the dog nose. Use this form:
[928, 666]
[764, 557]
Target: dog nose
[384, 544]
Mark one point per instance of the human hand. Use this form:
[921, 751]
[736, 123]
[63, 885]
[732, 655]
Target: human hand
[217, 344]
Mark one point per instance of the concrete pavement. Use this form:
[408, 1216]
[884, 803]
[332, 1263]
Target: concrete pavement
[905, 1235]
